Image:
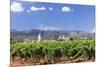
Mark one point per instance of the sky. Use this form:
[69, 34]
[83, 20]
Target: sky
[54, 16]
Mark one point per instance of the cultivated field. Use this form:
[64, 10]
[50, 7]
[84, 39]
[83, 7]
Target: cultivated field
[52, 52]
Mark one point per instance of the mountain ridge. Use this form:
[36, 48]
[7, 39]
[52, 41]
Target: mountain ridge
[48, 34]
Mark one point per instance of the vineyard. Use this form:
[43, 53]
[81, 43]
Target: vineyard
[52, 52]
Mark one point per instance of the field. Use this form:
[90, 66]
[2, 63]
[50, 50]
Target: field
[52, 52]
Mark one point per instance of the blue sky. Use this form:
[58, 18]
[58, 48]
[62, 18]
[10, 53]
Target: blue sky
[39, 15]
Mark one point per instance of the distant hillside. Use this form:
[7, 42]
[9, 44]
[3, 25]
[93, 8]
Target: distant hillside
[48, 34]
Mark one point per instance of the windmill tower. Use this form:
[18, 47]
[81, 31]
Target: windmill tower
[39, 37]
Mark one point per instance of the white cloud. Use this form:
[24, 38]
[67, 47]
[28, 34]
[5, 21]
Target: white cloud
[28, 11]
[46, 28]
[33, 8]
[66, 9]
[50, 8]
[16, 7]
